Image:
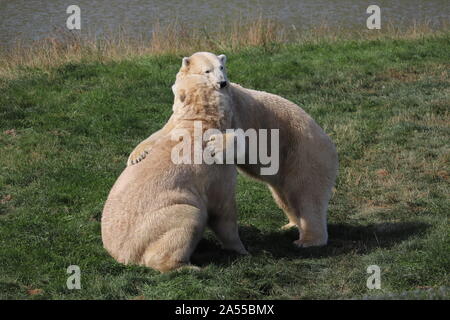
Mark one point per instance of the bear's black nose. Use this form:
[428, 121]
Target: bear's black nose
[223, 84]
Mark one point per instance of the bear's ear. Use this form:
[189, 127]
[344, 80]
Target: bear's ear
[185, 64]
[182, 95]
[174, 90]
[223, 58]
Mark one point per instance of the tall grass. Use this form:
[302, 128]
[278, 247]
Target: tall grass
[176, 38]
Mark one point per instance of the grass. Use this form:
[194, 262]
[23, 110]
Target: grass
[63, 46]
[66, 131]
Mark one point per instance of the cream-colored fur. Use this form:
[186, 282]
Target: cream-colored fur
[303, 185]
[156, 211]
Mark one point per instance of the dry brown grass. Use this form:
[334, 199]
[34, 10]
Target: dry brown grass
[175, 38]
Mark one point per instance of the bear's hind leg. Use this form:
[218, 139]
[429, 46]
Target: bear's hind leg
[283, 205]
[311, 207]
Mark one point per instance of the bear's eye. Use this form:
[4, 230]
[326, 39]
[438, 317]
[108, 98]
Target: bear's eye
[221, 67]
[207, 71]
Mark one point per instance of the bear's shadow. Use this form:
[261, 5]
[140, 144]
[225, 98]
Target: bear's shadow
[343, 239]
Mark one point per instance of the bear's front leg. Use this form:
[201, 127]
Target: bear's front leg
[225, 148]
[223, 222]
[140, 152]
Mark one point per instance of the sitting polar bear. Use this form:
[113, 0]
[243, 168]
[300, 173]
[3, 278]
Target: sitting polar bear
[157, 210]
[308, 162]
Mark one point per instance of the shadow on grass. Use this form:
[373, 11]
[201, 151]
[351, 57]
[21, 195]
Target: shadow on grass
[343, 239]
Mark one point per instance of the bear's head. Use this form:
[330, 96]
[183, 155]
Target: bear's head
[206, 64]
[196, 98]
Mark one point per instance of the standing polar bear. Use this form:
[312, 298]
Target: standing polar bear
[308, 162]
[157, 210]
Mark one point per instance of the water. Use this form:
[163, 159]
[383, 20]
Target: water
[33, 20]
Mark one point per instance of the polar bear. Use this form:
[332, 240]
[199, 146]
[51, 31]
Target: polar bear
[157, 210]
[308, 166]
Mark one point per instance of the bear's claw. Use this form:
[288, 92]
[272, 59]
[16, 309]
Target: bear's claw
[288, 226]
[140, 158]
[215, 146]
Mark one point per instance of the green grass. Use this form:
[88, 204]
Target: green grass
[66, 134]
